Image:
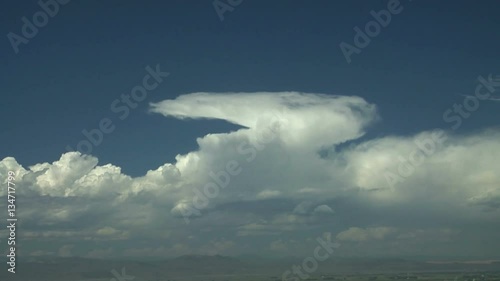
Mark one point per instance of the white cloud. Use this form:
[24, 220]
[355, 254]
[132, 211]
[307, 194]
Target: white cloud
[79, 198]
[323, 209]
[358, 234]
[267, 194]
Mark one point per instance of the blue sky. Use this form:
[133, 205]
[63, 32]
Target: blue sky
[65, 78]
[226, 80]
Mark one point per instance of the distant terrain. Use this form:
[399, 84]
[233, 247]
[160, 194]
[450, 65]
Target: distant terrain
[197, 267]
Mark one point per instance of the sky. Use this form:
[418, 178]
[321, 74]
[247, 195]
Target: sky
[252, 130]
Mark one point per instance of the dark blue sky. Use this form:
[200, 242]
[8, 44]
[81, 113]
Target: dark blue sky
[66, 77]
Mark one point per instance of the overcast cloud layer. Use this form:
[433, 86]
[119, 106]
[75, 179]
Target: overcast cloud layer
[297, 170]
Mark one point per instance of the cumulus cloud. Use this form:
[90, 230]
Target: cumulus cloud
[285, 184]
[265, 194]
[306, 120]
[303, 208]
[358, 234]
[323, 209]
